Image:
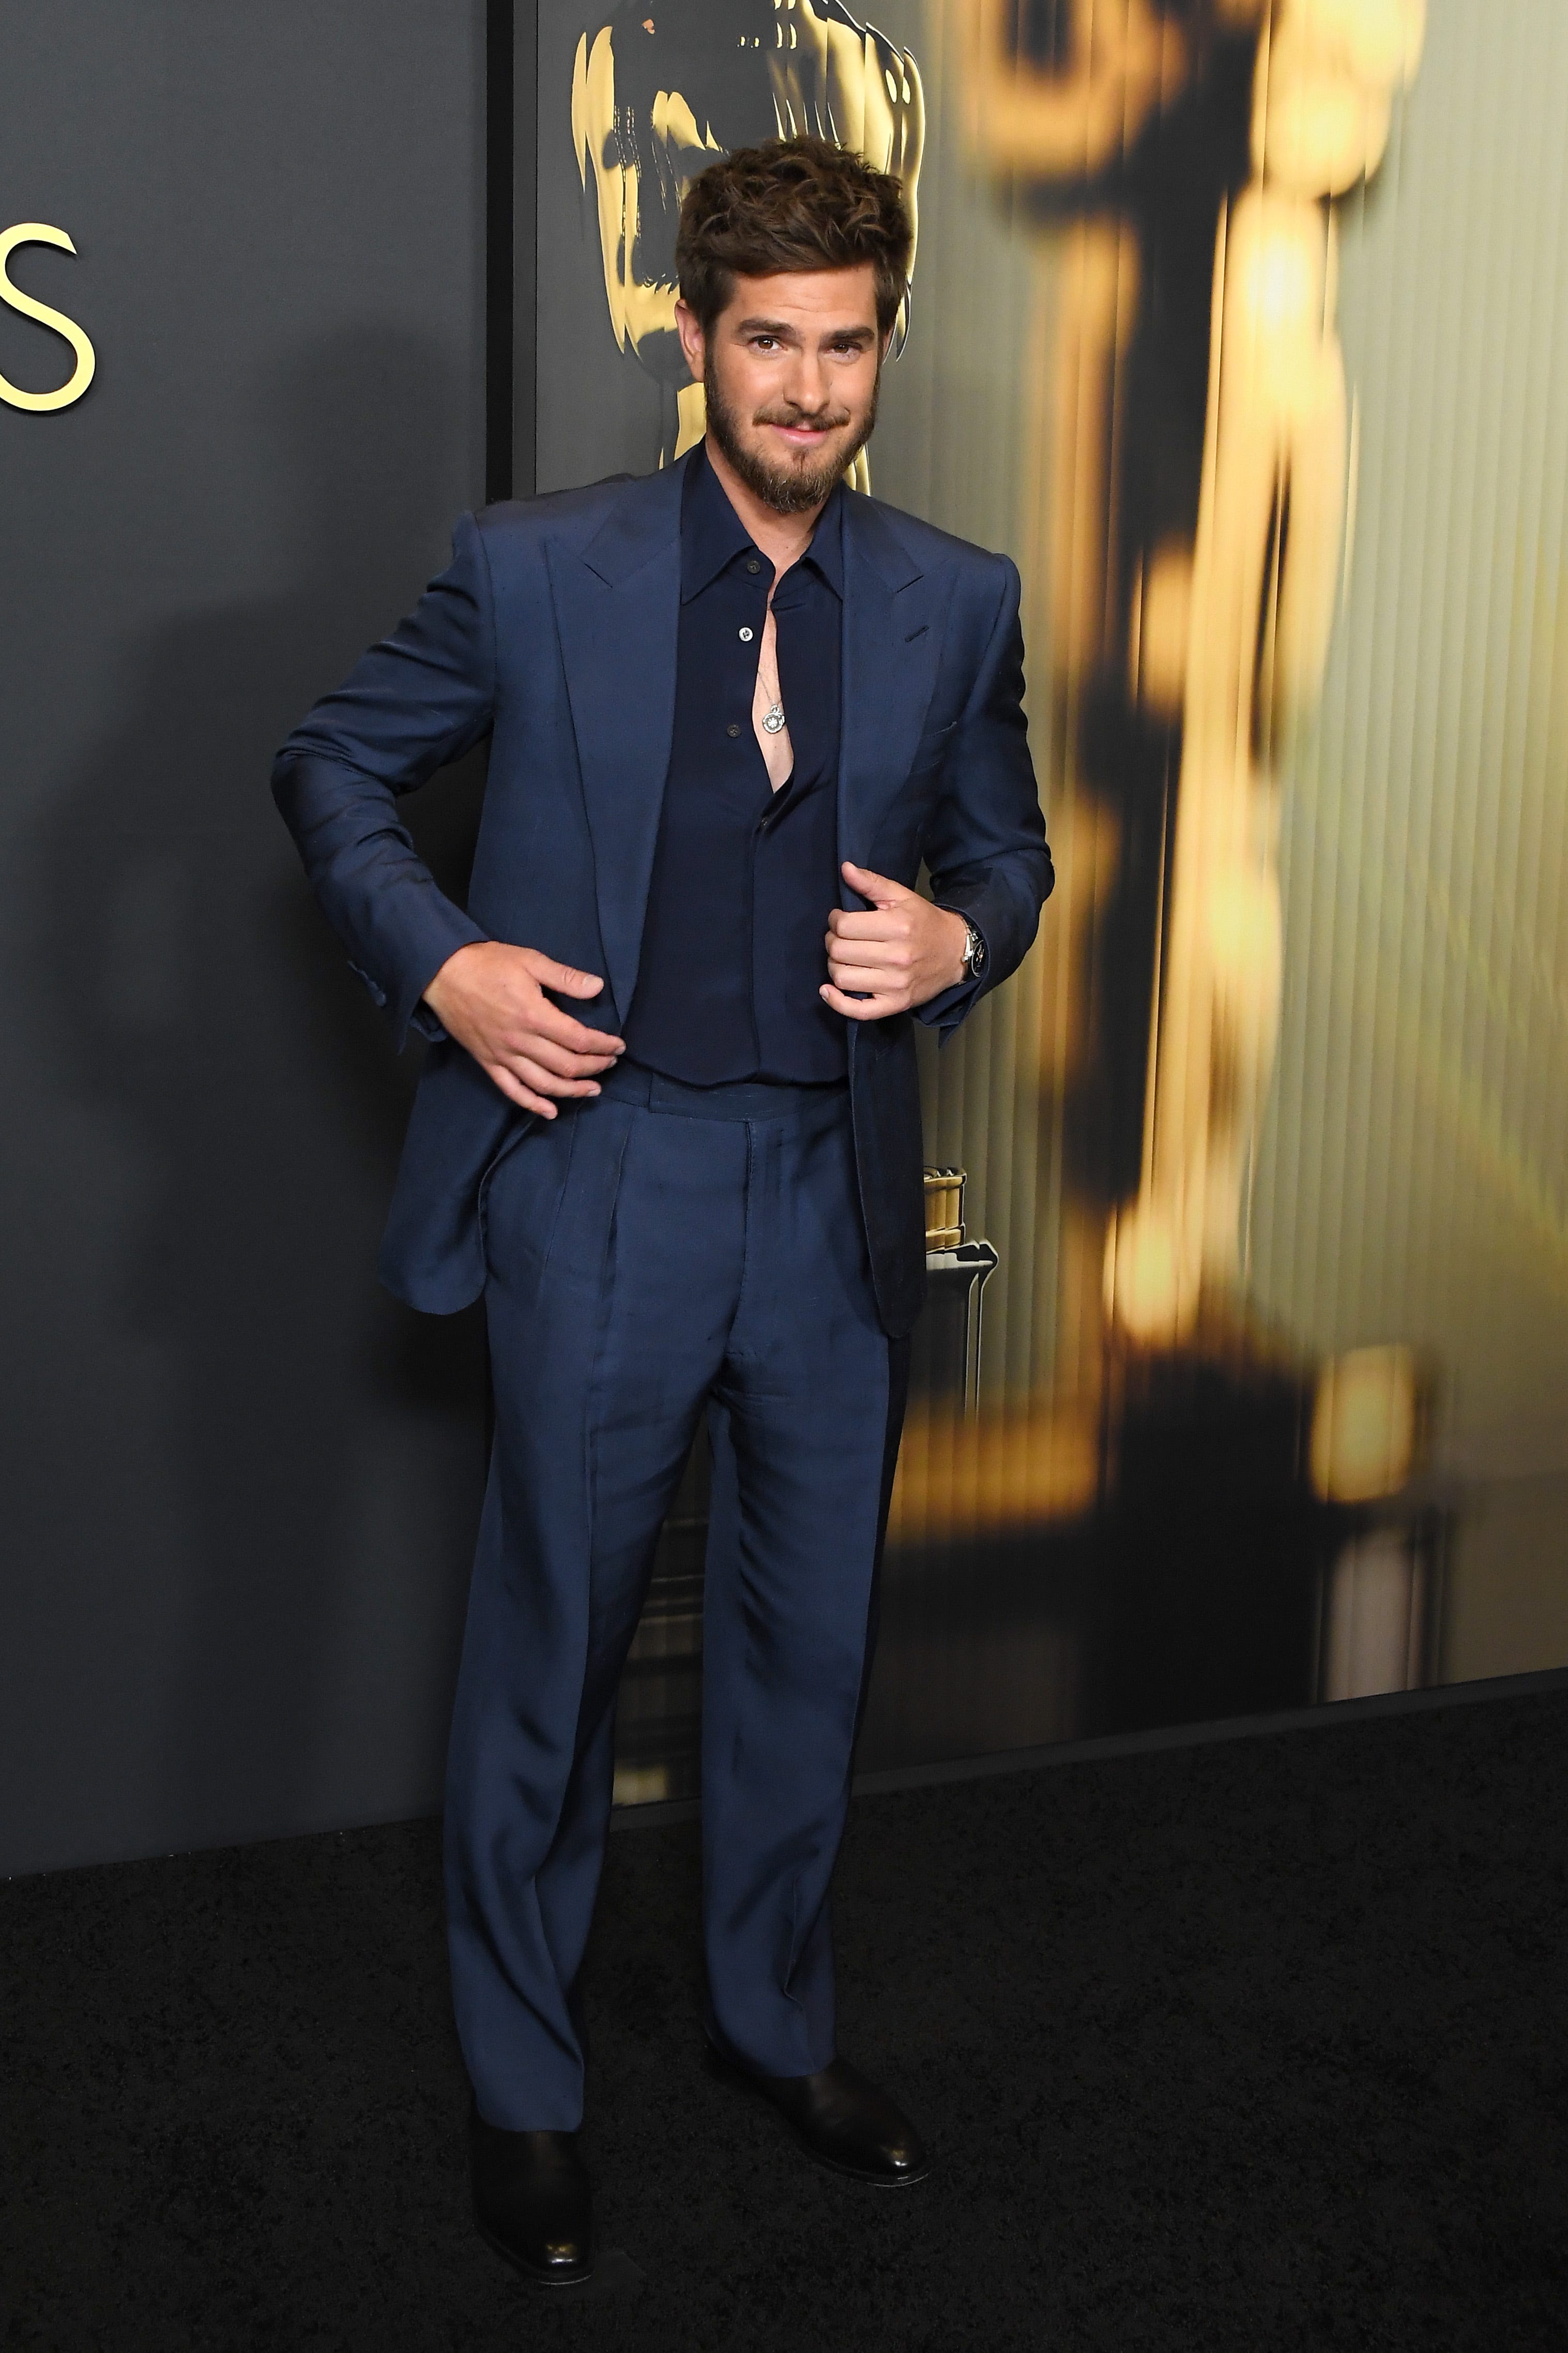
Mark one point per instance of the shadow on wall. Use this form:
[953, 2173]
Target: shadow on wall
[325, 1444]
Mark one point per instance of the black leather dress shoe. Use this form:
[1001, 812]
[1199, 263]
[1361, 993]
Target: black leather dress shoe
[840, 2119]
[532, 2201]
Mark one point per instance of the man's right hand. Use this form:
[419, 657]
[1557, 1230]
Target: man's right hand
[492, 999]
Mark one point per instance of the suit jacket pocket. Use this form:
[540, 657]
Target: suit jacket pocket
[933, 747]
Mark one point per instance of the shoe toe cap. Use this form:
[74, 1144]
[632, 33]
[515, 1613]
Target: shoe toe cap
[564, 2258]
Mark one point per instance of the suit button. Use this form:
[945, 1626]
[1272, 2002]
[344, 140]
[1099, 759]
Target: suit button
[751, 563]
[733, 728]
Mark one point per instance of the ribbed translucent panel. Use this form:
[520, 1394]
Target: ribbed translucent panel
[1413, 1176]
[1408, 1177]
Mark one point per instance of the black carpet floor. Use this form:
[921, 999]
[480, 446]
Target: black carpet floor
[1263, 2044]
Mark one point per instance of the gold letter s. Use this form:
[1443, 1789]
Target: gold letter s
[39, 233]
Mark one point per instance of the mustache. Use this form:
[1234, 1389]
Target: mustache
[817, 420]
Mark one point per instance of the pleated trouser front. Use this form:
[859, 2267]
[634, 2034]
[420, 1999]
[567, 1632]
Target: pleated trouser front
[655, 1253]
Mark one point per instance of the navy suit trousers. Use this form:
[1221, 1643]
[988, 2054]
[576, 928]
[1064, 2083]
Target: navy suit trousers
[654, 1253]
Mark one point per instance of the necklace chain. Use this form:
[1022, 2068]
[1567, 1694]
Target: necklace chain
[772, 721]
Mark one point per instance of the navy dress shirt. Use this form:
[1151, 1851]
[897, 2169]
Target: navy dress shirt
[744, 877]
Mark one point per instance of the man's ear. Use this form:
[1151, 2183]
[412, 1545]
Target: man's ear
[693, 343]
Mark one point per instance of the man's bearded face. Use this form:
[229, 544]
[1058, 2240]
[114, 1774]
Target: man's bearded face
[791, 371]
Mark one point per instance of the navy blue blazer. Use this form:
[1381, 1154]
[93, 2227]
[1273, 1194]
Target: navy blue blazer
[554, 632]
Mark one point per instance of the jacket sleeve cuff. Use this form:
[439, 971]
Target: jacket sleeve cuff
[944, 1011]
[444, 930]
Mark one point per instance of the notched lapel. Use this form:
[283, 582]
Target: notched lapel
[892, 633]
[617, 606]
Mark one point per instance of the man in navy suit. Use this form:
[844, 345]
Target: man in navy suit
[732, 707]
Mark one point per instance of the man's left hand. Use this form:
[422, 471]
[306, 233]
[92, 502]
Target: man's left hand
[901, 953]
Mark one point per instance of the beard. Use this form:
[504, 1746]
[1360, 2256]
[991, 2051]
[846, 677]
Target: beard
[788, 489]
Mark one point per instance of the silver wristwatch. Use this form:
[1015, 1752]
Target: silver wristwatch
[974, 953]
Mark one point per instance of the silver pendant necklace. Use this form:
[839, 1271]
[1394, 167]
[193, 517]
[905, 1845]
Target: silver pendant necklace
[774, 719]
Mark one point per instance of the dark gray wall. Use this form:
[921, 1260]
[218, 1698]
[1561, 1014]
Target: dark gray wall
[240, 1483]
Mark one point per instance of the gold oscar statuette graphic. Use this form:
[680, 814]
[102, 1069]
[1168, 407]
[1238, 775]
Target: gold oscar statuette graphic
[1177, 169]
[76, 384]
[1259, 592]
[1194, 554]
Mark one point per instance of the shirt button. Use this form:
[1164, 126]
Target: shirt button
[733, 728]
[751, 563]
[745, 636]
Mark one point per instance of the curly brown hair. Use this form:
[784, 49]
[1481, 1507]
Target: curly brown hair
[791, 204]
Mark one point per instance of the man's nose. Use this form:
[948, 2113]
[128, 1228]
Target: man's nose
[807, 384]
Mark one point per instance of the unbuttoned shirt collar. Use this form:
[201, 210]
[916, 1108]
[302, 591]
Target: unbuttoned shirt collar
[712, 535]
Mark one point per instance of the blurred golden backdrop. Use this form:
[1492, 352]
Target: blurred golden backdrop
[1237, 323]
